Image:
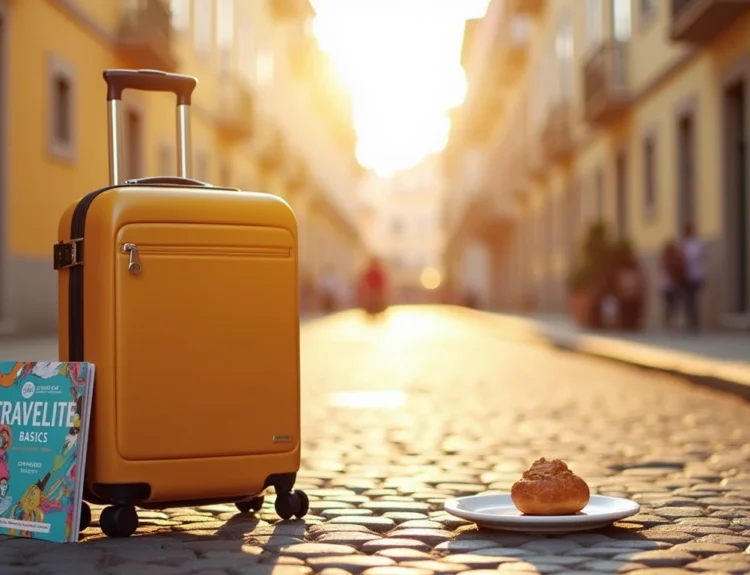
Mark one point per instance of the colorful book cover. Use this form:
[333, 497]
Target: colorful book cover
[44, 413]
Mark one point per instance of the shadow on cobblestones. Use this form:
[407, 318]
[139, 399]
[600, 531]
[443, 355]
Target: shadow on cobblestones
[400, 415]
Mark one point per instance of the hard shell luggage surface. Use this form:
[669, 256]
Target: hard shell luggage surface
[185, 297]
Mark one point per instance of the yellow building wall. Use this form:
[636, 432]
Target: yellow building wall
[664, 77]
[41, 30]
[651, 51]
[659, 113]
[40, 186]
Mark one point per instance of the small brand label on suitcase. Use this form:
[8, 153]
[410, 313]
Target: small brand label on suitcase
[282, 438]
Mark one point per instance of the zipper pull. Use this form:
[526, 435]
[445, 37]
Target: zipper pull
[134, 264]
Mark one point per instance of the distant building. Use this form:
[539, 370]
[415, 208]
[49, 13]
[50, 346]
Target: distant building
[402, 224]
[634, 113]
[263, 120]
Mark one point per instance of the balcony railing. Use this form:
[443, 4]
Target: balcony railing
[557, 137]
[235, 108]
[530, 7]
[606, 88]
[700, 21]
[144, 36]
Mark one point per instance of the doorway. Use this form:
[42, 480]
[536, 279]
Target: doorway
[621, 195]
[686, 208]
[736, 197]
[4, 232]
[133, 136]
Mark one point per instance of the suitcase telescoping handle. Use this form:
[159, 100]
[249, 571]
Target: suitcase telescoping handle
[149, 81]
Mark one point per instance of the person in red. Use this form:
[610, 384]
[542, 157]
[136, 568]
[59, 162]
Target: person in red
[372, 287]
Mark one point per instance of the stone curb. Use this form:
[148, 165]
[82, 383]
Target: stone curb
[732, 377]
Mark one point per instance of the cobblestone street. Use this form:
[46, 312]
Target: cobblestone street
[430, 404]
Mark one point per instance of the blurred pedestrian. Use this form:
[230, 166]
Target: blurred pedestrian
[672, 276]
[630, 290]
[372, 288]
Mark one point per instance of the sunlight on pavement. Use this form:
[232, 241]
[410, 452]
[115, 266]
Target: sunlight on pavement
[368, 399]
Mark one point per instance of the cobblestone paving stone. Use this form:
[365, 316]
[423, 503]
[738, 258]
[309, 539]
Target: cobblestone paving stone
[398, 416]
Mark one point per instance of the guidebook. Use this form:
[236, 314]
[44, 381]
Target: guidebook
[44, 422]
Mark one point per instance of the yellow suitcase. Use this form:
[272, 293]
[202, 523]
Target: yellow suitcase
[185, 296]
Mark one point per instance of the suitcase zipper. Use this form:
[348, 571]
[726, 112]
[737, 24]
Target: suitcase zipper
[134, 252]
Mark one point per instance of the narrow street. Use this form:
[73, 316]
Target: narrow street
[428, 404]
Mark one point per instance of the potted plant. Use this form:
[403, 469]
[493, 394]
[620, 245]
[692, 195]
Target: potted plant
[630, 285]
[603, 267]
[589, 278]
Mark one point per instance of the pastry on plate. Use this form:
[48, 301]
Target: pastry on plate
[550, 488]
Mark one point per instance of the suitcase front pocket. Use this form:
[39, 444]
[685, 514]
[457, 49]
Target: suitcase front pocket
[206, 347]
[134, 252]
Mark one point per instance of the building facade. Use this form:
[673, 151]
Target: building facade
[402, 226]
[630, 112]
[259, 122]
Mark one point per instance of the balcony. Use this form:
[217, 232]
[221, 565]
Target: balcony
[144, 35]
[700, 21]
[290, 9]
[235, 113]
[557, 135]
[606, 90]
[525, 7]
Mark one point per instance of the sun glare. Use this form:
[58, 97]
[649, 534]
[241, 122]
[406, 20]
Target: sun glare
[400, 59]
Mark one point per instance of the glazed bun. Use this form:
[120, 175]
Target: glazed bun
[550, 488]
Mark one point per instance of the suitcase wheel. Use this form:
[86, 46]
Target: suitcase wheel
[85, 519]
[292, 504]
[119, 520]
[254, 504]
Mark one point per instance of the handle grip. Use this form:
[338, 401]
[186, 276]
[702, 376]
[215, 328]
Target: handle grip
[149, 81]
[169, 180]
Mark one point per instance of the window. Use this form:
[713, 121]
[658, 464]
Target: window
[202, 25]
[649, 175]
[133, 138]
[621, 20]
[166, 159]
[246, 51]
[180, 14]
[647, 9]
[264, 67]
[62, 119]
[594, 22]
[225, 24]
[564, 53]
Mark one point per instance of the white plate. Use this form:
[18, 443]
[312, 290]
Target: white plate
[497, 511]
